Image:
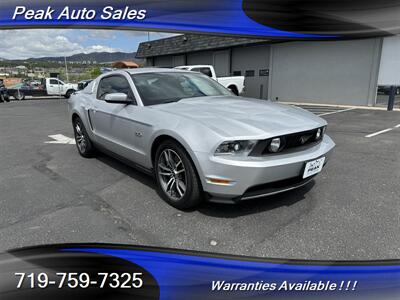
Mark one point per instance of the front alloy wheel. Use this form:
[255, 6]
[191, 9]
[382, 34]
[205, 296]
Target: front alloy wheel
[82, 140]
[176, 176]
[172, 174]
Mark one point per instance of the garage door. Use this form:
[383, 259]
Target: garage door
[221, 62]
[333, 72]
[178, 60]
[253, 63]
[163, 61]
[200, 58]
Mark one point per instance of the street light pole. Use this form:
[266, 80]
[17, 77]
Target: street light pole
[66, 68]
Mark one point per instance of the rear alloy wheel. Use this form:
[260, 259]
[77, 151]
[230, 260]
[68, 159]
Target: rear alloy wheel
[18, 95]
[82, 140]
[176, 176]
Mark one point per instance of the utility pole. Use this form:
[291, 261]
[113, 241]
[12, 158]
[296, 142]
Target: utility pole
[392, 97]
[66, 68]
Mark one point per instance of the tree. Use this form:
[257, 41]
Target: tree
[95, 72]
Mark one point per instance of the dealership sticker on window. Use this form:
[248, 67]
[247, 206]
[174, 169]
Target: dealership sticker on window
[314, 167]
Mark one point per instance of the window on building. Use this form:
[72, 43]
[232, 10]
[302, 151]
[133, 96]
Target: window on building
[249, 73]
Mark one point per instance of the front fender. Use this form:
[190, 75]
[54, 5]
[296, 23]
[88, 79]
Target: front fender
[79, 107]
[187, 142]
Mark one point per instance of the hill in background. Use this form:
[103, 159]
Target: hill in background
[98, 57]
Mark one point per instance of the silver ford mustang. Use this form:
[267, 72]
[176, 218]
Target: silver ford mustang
[197, 138]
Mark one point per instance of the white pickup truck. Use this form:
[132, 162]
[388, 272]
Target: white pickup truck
[234, 83]
[48, 87]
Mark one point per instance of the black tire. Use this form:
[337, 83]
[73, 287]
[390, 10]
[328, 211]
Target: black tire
[193, 194]
[6, 98]
[18, 95]
[234, 90]
[83, 143]
[68, 94]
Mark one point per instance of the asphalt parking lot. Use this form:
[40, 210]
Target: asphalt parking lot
[49, 194]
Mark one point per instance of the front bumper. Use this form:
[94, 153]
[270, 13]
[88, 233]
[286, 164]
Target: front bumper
[254, 177]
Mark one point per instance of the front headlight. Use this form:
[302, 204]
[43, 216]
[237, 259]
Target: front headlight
[242, 148]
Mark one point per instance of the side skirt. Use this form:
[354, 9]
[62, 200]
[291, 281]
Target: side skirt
[124, 160]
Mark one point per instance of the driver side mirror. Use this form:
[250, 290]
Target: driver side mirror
[117, 98]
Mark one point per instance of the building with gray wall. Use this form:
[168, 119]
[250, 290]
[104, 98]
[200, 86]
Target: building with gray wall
[327, 72]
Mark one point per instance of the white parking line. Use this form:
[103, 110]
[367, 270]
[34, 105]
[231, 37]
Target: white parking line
[382, 131]
[336, 112]
[60, 139]
[379, 132]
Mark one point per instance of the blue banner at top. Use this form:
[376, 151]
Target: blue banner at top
[283, 19]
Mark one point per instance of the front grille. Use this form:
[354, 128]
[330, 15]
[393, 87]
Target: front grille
[275, 187]
[290, 142]
[300, 139]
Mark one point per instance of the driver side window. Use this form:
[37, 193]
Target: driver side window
[114, 84]
[55, 81]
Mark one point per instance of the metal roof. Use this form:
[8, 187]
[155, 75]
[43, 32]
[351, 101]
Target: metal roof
[122, 64]
[189, 43]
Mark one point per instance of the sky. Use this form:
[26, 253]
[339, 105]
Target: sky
[33, 43]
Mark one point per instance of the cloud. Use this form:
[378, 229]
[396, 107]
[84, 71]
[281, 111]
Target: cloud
[99, 48]
[33, 43]
[97, 34]
[26, 43]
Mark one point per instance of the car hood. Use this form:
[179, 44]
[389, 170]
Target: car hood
[238, 116]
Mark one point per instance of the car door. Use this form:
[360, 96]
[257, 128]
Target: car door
[62, 87]
[54, 87]
[114, 124]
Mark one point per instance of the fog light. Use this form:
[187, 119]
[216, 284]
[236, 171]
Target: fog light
[275, 145]
[318, 135]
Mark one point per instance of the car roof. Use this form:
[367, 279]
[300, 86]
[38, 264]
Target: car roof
[195, 66]
[152, 70]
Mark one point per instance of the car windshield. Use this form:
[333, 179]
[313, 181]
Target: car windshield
[166, 87]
